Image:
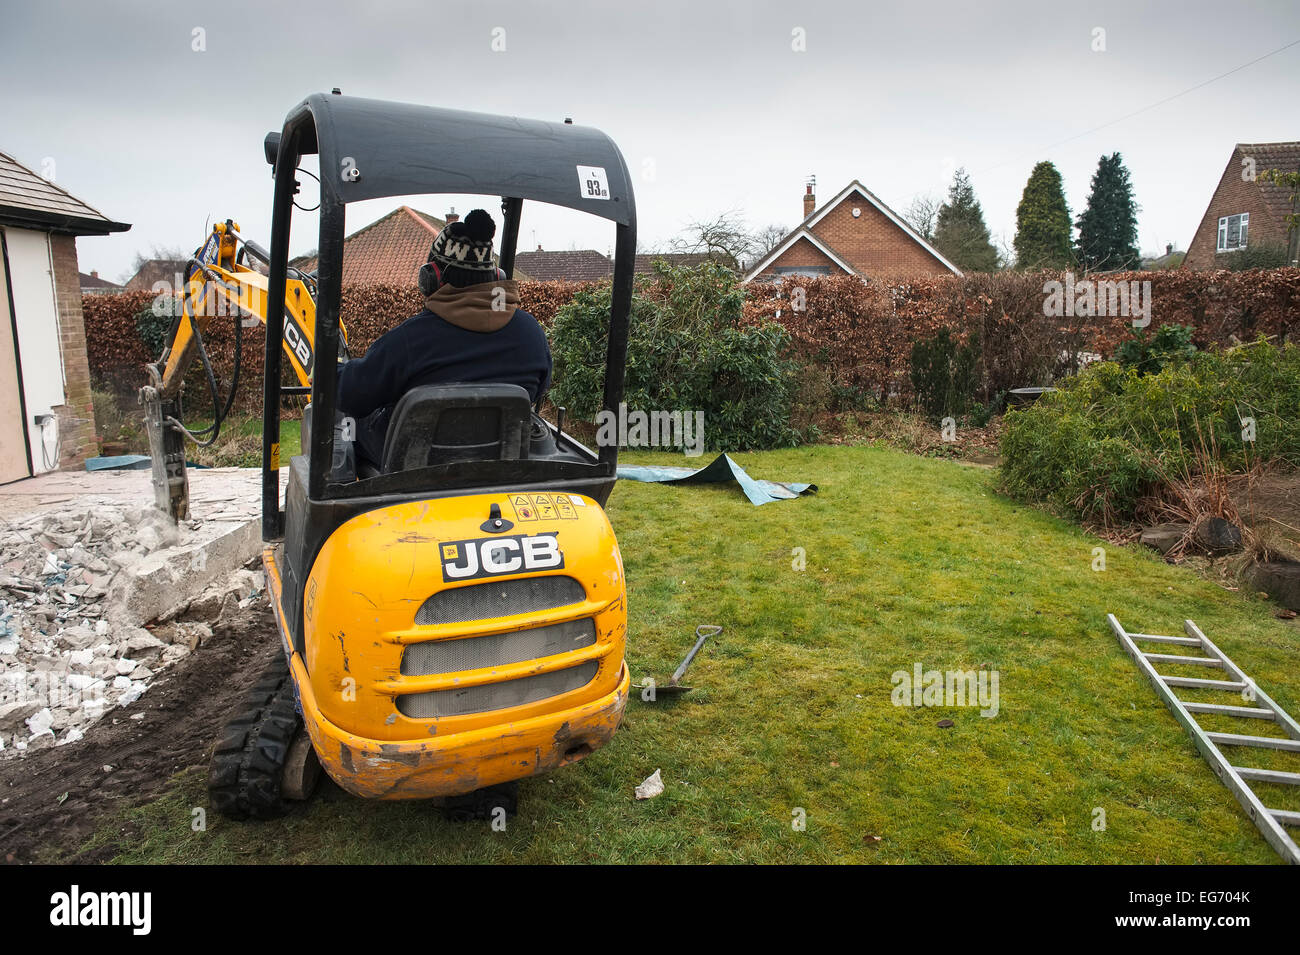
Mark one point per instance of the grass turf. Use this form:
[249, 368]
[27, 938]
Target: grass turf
[908, 560]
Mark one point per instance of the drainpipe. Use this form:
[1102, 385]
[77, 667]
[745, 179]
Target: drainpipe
[1293, 252]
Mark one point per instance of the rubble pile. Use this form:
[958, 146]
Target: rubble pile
[69, 650]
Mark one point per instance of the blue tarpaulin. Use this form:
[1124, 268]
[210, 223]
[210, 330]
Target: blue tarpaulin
[127, 462]
[720, 470]
[119, 462]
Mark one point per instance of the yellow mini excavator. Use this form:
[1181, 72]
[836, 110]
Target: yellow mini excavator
[454, 620]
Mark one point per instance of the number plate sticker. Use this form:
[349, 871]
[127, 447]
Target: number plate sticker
[592, 182]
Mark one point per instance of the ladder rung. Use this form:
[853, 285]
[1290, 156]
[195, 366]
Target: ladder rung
[1170, 658]
[1267, 775]
[1160, 638]
[1268, 821]
[1254, 712]
[1263, 742]
[1194, 683]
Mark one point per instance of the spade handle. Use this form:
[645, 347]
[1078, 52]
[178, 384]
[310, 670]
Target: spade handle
[703, 631]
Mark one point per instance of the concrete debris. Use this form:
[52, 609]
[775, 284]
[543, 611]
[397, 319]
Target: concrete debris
[77, 587]
[652, 786]
[1165, 537]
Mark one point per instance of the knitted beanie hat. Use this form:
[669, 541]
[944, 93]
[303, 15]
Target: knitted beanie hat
[466, 245]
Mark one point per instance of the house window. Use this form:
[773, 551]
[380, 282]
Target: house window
[810, 270]
[1232, 232]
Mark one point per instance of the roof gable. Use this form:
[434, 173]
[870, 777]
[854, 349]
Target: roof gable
[1281, 156]
[793, 239]
[153, 272]
[804, 230]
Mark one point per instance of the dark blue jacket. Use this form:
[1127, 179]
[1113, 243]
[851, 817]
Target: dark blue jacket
[428, 350]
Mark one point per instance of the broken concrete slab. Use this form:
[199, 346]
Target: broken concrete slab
[1164, 537]
[175, 575]
[84, 566]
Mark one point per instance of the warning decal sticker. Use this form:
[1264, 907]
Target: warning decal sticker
[524, 510]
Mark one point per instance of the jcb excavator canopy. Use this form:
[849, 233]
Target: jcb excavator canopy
[370, 149]
[373, 148]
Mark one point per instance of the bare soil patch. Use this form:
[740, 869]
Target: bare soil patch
[53, 800]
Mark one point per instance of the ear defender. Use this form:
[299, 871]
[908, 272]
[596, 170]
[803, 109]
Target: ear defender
[429, 279]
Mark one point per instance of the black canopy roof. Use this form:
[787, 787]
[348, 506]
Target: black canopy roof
[404, 149]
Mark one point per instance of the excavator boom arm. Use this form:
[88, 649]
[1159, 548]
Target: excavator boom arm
[218, 284]
[220, 281]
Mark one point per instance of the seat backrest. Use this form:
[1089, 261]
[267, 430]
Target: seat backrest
[442, 424]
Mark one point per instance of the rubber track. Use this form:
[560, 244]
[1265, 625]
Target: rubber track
[247, 766]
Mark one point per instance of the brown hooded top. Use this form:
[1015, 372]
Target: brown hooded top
[482, 307]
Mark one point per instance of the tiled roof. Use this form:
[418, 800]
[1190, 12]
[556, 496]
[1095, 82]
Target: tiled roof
[588, 265]
[94, 281]
[389, 251]
[27, 199]
[585, 265]
[157, 270]
[1281, 156]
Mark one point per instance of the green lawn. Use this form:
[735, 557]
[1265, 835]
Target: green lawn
[240, 443]
[909, 560]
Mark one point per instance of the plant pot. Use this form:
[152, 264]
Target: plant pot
[1024, 397]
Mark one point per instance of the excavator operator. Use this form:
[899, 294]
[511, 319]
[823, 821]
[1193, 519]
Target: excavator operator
[470, 330]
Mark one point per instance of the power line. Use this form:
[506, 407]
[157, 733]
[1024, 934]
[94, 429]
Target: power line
[1144, 109]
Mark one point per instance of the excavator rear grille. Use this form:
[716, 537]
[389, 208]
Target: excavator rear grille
[496, 696]
[496, 649]
[499, 599]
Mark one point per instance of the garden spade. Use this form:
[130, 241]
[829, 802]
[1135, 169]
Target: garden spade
[674, 687]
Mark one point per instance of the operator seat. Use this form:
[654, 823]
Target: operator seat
[443, 424]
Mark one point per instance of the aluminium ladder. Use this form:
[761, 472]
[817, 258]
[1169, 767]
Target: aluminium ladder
[1270, 822]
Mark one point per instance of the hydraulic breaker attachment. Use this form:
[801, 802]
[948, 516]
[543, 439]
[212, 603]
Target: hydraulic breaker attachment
[171, 483]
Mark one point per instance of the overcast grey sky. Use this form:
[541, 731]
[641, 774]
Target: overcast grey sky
[710, 104]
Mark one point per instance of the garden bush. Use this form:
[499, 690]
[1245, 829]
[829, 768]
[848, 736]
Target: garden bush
[689, 349]
[944, 374]
[1111, 435]
[858, 335]
[1146, 354]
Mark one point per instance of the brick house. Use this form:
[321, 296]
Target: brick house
[155, 272]
[852, 234]
[1244, 212]
[46, 417]
[92, 284]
